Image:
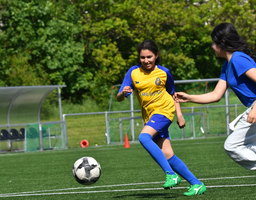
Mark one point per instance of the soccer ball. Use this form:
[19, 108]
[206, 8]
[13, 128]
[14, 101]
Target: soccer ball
[86, 170]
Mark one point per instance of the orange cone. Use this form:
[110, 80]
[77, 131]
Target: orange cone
[84, 143]
[126, 142]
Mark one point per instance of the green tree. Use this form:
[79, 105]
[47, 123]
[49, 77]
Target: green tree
[90, 45]
[41, 37]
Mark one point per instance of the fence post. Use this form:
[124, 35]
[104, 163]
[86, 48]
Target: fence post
[193, 122]
[132, 115]
[120, 130]
[204, 124]
[40, 136]
[107, 128]
[207, 118]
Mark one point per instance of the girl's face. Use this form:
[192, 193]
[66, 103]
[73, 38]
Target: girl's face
[218, 50]
[148, 59]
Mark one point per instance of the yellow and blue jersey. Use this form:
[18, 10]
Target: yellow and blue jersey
[153, 90]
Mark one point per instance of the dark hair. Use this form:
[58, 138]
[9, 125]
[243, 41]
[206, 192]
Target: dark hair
[149, 45]
[226, 37]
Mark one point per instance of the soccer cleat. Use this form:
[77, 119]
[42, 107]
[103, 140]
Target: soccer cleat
[195, 190]
[171, 180]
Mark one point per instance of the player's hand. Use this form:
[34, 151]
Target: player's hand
[181, 121]
[121, 95]
[181, 97]
[127, 89]
[252, 116]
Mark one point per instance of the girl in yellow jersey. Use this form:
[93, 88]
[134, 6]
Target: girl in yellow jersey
[154, 87]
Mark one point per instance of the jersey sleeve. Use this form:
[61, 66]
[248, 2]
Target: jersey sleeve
[127, 81]
[242, 64]
[170, 88]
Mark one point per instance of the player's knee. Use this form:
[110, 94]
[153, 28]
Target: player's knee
[144, 137]
[168, 154]
[229, 146]
[226, 146]
[232, 152]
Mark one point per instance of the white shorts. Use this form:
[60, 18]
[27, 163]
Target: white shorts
[241, 143]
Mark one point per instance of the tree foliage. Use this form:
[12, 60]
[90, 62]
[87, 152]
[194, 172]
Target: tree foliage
[89, 45]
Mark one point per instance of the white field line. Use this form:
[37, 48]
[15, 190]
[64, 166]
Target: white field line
[125, 190]
[54, 192]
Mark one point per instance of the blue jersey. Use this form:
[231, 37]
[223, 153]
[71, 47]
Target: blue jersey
[153, 90]
[233, 72]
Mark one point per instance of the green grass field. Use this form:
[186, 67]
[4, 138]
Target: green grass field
[127, 173]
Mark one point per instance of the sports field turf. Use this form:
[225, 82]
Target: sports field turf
[127, 173]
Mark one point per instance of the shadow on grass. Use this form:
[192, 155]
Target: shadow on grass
[150, 195]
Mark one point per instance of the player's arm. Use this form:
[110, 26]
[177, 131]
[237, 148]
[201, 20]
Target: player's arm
[210, 97]
[252, 115]
[126, 87]
[251, 74]
[180, 119]
[171, 89]
[121, 95]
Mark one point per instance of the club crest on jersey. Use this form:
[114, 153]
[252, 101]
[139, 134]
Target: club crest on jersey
[158, 81]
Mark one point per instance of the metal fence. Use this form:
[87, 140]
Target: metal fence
[206, 112]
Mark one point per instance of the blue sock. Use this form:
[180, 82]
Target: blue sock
[155, 152]
[179, 166]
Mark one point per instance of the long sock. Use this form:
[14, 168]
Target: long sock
[179, 166]
[155, 152]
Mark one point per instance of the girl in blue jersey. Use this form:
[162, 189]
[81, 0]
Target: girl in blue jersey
[154, 87]
[238, 73]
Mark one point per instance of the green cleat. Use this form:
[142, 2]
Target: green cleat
[171, 180]
[195, 190]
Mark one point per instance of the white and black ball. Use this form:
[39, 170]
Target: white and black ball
[86, 170]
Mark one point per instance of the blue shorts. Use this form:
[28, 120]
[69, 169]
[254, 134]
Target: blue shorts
[161, 124]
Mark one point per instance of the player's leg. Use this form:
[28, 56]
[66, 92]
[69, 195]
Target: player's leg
[146, 139]
[241, 144]
[179, 166]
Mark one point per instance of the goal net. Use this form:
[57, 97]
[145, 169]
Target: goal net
[132, 126]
